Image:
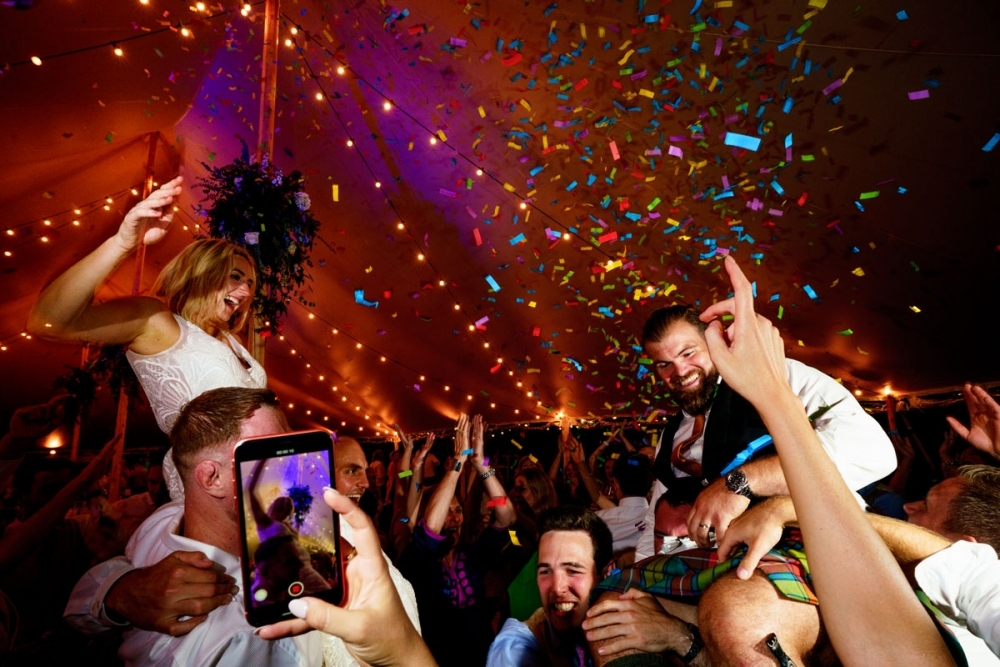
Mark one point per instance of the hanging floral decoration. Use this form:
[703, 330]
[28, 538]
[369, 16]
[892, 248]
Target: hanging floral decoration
[258, 207]
[302, 500]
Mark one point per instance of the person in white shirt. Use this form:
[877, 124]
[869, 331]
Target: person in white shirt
[184, 541]
[632, 479]
[714, 456]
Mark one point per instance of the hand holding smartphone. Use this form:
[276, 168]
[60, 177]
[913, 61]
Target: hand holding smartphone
[290, 538]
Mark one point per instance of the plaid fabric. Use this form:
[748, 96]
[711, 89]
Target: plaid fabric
[689, 573]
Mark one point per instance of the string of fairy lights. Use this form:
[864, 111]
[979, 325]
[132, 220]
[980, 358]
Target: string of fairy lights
[23, 232]
[525, 201]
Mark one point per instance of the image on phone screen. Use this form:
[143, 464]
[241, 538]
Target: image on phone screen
[290, 536]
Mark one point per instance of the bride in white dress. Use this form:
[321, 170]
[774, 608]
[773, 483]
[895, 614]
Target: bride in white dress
[180, 340]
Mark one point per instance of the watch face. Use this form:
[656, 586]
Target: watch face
[736, 482]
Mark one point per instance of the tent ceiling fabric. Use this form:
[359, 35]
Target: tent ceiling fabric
[835, 149]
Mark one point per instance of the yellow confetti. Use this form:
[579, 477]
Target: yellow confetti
[508, 187]
[647, 93]
[859, 272]
[914, 309]
[862, 352]
[818, 4]
[441, 135]
[336, 193]
[583, 31]
[513, 538]
[531, 304]
[482, 112]
[516, 444]
[625, 45]
[801, 344]
[627, 55]
[525, 104]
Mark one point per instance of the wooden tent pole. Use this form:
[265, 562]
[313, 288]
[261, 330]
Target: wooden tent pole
[121, 420]
[268, 81]
[265, 125]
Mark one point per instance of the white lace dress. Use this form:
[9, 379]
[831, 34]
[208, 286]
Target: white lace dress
[194, 364]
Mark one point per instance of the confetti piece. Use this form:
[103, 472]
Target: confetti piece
[359, 297]
[810, 291]
[846, 332]
[994, 140]
[742, 141]
[467, 452]
[497, 502]
[405, 473]
[919, 94]
[476, 236]
[868, 195]
[859, 272]
[516, 444]
[493, 283]
[336, 193]
[902, 15]
[513, 538]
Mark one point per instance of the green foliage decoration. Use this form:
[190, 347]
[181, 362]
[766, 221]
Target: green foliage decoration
[258, 207]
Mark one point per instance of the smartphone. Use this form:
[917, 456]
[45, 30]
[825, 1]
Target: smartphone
[290, 538]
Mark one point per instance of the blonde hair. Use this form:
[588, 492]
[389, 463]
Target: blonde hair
[188, 284]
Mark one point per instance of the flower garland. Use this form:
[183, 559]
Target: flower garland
[256, 206]
[302, 501]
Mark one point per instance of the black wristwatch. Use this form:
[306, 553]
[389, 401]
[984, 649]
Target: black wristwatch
[736, 481]
[696, 645]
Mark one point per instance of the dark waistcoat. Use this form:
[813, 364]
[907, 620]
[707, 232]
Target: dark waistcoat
[732, 425]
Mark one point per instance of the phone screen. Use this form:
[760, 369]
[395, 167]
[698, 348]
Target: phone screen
[290, 537]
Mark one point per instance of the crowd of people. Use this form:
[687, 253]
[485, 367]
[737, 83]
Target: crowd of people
[765, 527]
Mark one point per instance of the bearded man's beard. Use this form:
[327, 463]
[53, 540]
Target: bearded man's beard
[696, 401]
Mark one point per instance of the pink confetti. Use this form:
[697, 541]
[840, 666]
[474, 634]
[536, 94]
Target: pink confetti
[919, 94]
[832, 87]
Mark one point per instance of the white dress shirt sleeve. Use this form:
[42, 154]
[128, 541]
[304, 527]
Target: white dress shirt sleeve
[85, 610]
[859, 447]
[963, 581]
